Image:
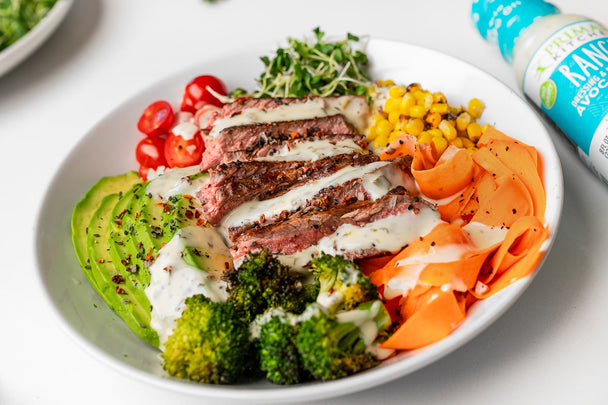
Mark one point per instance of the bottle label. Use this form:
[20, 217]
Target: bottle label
[568, 78]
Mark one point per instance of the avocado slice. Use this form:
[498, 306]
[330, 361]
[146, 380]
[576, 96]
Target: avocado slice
[84, 210]
[116, 288]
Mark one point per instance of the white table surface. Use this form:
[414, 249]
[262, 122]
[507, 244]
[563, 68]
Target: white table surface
[550, 347]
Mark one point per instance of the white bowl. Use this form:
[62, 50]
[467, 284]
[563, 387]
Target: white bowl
[108, 150]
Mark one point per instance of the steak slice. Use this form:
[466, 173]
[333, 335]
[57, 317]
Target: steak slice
[232, 184]
[269, 103]
[305, 229]
[370, 186]
[257, 140]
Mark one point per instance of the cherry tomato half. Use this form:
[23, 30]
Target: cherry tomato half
[157, 119]
[150, 152]
[183, 152]
[196, 94]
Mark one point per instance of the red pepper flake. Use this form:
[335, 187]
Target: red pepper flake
[100, 260]
[200, 222]
[294, 134]
[189, 214]
[118, 222]
[187, 196]
[149, 257]
[120, 290]
[117, 278]
[137, 214]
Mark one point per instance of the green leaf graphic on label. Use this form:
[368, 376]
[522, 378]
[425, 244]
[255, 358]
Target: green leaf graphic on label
[548, 93]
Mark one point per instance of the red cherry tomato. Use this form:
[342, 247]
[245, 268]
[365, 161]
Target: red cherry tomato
[157, 119]
[181, 152]
[150, 153]
[196, 94]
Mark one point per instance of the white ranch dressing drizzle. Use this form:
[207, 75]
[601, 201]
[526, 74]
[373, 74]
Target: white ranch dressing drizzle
[354, 110]
[186, 130]
[483, 236]
[176, 181]
[312, 150]
[172, 280]
[251, 211]
[387, 234]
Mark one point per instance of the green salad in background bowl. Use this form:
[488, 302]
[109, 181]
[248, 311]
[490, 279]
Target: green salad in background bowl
[25, 25]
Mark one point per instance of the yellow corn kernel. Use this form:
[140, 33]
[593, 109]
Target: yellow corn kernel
[392, 104]
[448, 130]
[462, 121]
[397, 91]
[455, 110]
[407, 102]
[413, 88]
[383, 129]
[441, 108]
[420, 94]
[401, 124]
[371, 133]
[474, 131]
[394, 135]
[457, 142]
[378, 118]
[433, 118]
[385, 83]
[394, 117]
[439, 97]
[414, 127]
[425, 137]
[485, 126]
[466, 142]
[381, 141]
[475, 108]
[435, 132]
[440, 144]
[417, 111]
[427, 101]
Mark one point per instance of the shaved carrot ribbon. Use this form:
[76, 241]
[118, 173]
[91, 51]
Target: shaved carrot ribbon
[435, 279]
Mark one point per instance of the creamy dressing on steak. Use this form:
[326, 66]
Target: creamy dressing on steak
[296, 198]
[312, 150]
[354, 109]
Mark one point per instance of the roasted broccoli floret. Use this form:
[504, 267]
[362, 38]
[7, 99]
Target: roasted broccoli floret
[342, 285]
[332, 346]
[262, 282]
[275, 334]
[209, 344]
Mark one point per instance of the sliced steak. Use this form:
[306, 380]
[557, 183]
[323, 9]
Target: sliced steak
[357, 189]
[232, 184]
[305, 229]
[269, 103]
[250, 141]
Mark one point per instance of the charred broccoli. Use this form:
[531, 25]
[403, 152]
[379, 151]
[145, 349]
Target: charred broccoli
[341, 284]
[209, 344]
[332, 346]
[262, 282]
[275, 334]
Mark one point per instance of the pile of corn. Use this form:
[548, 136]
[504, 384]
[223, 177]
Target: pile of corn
[427, 116]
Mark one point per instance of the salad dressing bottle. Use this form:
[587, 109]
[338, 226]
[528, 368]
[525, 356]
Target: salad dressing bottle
[561, 64]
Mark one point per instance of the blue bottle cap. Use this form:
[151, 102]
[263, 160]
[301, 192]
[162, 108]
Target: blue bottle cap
[502, 21]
